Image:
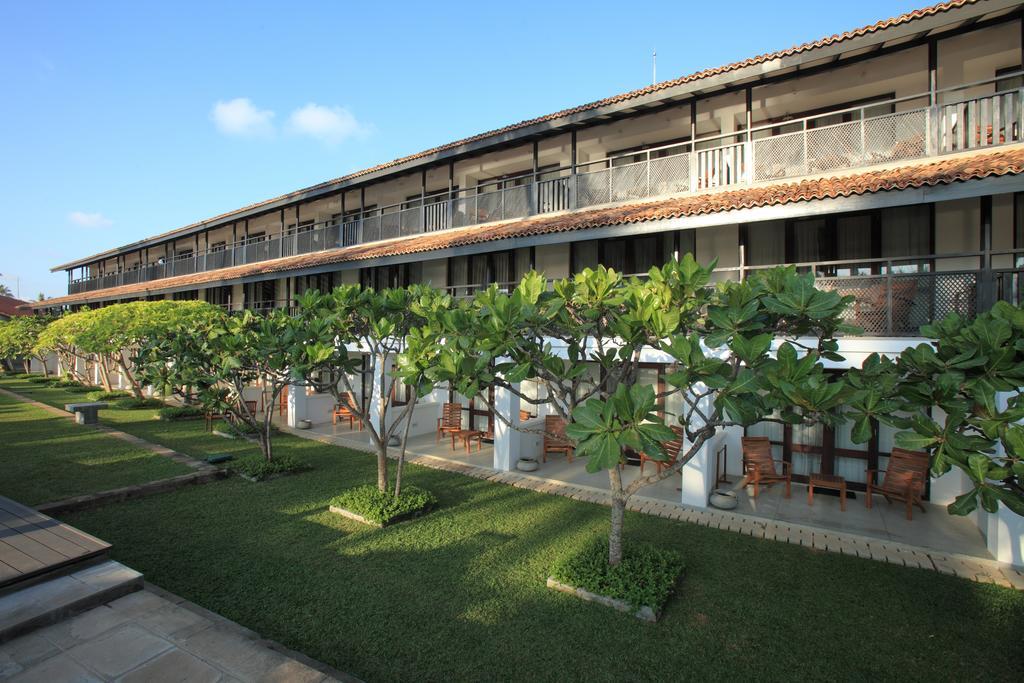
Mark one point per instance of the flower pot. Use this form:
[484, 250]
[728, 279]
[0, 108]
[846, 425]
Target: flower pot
[305, 424]
[394, 440]
[527, 465]
[723, 499]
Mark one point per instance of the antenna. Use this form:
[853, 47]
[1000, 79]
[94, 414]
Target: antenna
[654, 67]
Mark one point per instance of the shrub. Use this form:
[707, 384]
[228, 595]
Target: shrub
[244, 429]
[108, 395]
[132, 403]
[257, 467]
[39, 379]
[17, 375]
[179, 412]
[77, 388]
[646, 576]
[382, 507]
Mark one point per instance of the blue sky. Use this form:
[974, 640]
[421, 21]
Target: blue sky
[122, 120]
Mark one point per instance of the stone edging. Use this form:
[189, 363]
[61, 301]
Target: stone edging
[967, 567]
[645, 613]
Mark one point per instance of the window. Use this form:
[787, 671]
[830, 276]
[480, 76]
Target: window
[303, 226]
[183, 253]
[219, 296]
[389, 277]
[187, 295]
[468, 273]
[260, 295]
[218, 246]
[633, 255]
[820, 117]
[847, 243]
[325, 379]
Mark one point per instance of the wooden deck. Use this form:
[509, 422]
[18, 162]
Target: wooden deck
[32, 544]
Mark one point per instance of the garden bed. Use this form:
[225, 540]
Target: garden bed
[256, 468]
[640, 585]
[368, 505]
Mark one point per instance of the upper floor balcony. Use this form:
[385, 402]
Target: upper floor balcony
[891, 131]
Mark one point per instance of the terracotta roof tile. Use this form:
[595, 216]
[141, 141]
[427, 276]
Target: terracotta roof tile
[10, 307]
[615, 99]
[950, 170]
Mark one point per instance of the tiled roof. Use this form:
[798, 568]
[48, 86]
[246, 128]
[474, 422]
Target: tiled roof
[10, 307]
[950, 170]
[615, 99]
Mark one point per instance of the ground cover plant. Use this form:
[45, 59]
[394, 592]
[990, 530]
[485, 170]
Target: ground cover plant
[382, 507]
[646, 577]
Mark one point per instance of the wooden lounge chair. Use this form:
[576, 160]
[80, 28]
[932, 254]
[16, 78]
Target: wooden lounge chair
[672, 449]
[759, 466]
[904, 479]
[345, 410]
[555, 440]
[450, 421]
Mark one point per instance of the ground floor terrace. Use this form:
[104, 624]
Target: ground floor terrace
[934, 529]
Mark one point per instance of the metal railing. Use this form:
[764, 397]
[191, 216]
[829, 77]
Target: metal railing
[887, 131]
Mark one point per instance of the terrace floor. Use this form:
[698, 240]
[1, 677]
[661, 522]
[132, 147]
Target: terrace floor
[934, 529]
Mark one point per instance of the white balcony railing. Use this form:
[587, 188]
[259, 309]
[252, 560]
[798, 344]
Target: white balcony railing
[884, 132]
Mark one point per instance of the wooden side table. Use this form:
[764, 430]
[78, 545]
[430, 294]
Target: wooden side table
[468, 436]
[827, 481]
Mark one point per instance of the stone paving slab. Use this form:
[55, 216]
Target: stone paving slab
[154, 636]
[964, 566]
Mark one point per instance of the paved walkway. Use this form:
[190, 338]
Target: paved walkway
[964, 566]
[204, 471]
[153, 636]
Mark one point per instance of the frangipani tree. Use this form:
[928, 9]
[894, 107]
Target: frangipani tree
[222, 356]
[387, 338]
[743, 352]
[19, 338]
[114, 332]
[59, 337]
[973, 371]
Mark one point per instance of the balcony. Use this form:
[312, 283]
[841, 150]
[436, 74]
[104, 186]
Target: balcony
[885, 132]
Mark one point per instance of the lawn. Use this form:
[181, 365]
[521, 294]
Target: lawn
[46, 458]
[459, 594]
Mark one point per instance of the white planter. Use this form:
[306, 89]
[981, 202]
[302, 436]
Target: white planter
[527, 465]
[305, 424]
[723, 500]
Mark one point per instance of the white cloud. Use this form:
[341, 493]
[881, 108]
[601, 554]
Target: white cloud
[330, 125]
[89, 220]
[240, 117]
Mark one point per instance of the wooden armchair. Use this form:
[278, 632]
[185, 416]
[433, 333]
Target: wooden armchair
[555, 440]
[759, 466]
[672, 449]
[903, 480]
[346, 411]
[450, 421]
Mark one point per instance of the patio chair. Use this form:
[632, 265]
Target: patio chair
[345, 410]
[555, 440]
[450, 421]
[904, 479]
[759, 466]
[672, 449]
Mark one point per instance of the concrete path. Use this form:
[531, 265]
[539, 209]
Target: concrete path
[153, 636]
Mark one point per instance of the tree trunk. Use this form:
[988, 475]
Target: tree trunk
[382, 465]
[618, 514]
[101, 360]
[401, 454]
[132, 382]
[27, 363]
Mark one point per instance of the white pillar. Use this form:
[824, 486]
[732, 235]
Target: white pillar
[507, 439]
[698, 475]
[298, 402]
[1004, 530]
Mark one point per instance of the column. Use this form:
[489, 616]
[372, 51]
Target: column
[298, 402]
[507, 439]
[381, 378]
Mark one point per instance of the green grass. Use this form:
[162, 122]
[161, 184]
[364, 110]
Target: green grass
[459, 594]
[45, 458]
